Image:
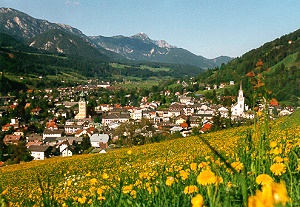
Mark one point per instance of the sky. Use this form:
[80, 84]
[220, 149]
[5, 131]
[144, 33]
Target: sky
[209, 28]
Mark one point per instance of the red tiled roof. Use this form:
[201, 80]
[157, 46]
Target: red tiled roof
[184, 125]
[206, 127]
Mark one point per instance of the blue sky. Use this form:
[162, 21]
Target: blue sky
[205, 27]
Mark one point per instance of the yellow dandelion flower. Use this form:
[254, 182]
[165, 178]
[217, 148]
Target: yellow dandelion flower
[259, 113]
[133, 193]
[197, 201]
[273, 144]
[206, 177]
[127, 189]
[278, 168]
[184, 175]
[202, 165]
[99, 191]
[270, 195]
[219, 180]
[280, 193]
[238, 166]
[190, 189]
[229, 184]
[105, 176]
[276, 151]
[129, 152]
[218, 162]
[88, 174]
[101, 198]
[90, 202]
[169, 181]
[93, 181]
[193, 166]
[278, 159]
[149, 189]
[207, 157]
[4, 192]
[298, 168]
[264, 179]
[69, 182]
[92, 189]
[82, 200]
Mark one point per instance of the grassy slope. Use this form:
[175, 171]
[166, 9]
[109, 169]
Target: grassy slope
[22, 179]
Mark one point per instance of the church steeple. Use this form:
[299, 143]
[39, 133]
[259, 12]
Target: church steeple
[81, 106]
[82, 96]
[241, 99]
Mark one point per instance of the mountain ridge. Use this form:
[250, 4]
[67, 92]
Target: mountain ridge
[25, 27]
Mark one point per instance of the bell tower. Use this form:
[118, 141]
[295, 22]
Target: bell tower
[81, 107]
[241, 99]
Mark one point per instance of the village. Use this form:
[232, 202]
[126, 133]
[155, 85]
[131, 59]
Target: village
[70, 130]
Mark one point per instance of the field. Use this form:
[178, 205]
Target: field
[247, 166]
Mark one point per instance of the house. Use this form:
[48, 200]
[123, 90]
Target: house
[99, 140]
[35, 111]
[50, 141]
[39, 152]
[103, 85]
[11, 139]
[185, 99]
[115, 118]
[103, 107]
[149, 114]
[175, 110]
[53, 133]
[71, 129]
[69, 104]
[184, 125]
[195, 120]
[65, 149]
[82, 132]
[165, 125]
[222, 85]
[188, 109]
[51, 125]
[176, 129]
[34, 139]
[15, 123]
[181, 119]
[206, 127]
[18, 132]
[284, 112]
[224, 112]
[6, 127]
[62, 112]
[137, 114]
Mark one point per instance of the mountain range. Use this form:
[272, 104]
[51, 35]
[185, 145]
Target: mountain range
[64, 39]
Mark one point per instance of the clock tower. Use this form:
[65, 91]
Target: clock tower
[81, 107]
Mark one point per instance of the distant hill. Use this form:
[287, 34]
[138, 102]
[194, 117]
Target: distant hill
[141, 48]
[138, 47]
[20, 63]
[59, 41]
[280, 71]
[24, 27]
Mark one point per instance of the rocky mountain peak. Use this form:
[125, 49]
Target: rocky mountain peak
[142, 36]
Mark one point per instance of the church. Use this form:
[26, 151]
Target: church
[81, 107]
[237, 110]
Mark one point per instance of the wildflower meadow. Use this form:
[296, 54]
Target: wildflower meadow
[255, 165]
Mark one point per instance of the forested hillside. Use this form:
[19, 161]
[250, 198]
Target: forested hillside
[275, 63]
